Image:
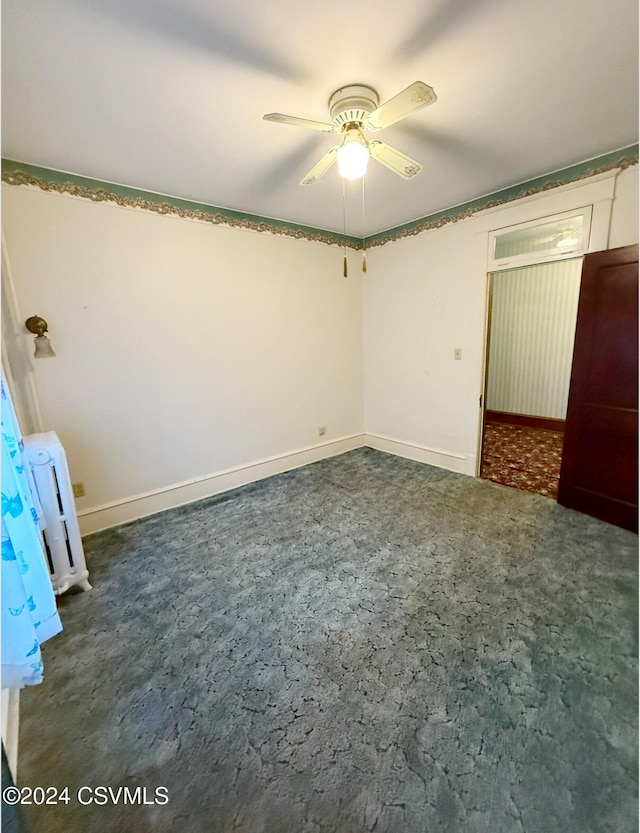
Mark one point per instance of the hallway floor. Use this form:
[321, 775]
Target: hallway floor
[523, 458]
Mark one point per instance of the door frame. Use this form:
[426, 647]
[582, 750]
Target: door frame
[599, 193]
[487, 348]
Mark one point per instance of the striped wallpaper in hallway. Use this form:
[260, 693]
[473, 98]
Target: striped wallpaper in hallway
[531, 343]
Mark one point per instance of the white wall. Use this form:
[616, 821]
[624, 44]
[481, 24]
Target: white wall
[184, 350]
[425, 295]
[192, 358]
[420, 303]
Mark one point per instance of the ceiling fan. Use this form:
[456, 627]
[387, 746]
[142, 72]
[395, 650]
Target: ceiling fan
[355, 109]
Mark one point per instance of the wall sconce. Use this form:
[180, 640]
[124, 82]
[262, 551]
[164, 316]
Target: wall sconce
[39, 326]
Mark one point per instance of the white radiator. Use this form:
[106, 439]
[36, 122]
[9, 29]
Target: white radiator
[61, 534]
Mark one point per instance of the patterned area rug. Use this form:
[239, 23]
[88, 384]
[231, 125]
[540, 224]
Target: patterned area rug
[523, 458]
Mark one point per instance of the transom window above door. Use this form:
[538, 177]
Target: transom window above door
[549, 238]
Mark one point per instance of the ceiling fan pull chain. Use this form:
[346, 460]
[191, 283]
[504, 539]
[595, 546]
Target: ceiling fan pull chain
[364, 239]
[345, 271]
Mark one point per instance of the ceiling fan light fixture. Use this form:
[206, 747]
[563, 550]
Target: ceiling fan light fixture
[354, 108]
[353, 157]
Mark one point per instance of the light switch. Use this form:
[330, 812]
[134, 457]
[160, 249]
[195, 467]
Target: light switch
[457, 354]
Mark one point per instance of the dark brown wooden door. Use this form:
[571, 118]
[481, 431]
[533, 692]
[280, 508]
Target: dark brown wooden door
[599, 473]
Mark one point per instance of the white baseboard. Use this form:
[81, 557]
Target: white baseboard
[471, 465]
[118, 512]
[460, 463]
[10, 725]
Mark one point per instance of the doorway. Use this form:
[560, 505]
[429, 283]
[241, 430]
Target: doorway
[532, 320]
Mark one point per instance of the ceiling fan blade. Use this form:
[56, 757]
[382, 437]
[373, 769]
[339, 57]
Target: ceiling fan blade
[415, 97]
[280, 118]
[321, 167]
[395, 160]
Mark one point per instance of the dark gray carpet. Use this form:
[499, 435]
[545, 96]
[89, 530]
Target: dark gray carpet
[364, 644]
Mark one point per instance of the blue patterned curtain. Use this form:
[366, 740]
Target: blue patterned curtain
[29, 614]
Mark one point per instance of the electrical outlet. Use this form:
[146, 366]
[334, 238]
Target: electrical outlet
[78, 489]
[322, 431]
[457, 354]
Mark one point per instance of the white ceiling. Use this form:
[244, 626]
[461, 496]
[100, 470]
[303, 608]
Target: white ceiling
[168, 95]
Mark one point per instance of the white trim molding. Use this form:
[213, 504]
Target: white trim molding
[422, 454]
[10, 726]
[131, 508]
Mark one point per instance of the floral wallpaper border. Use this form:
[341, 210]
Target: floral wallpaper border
[18, 174]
